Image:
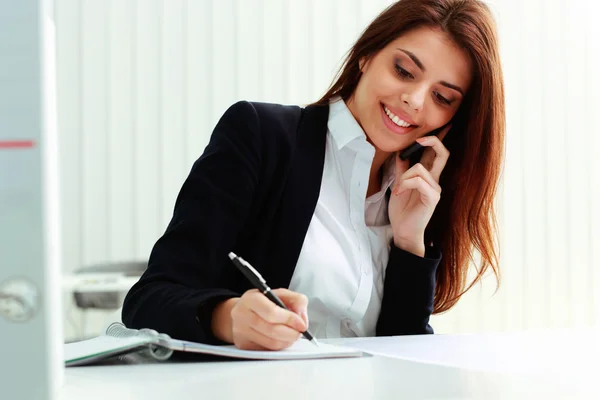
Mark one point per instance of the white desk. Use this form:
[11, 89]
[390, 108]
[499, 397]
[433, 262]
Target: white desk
[370, 377]
[570, 358]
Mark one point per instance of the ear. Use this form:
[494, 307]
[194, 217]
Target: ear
[361, 64]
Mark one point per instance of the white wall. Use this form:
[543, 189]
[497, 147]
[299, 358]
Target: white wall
[142, 82]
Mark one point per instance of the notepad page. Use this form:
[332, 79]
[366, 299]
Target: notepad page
[301, 349]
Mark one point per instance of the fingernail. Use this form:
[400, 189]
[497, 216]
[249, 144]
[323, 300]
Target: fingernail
[422, 139]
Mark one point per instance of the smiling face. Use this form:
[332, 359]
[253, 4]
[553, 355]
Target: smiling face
[411, 87]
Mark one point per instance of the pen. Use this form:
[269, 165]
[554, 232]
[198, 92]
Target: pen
[259, 282]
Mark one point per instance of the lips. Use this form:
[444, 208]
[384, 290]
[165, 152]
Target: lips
[395, 122]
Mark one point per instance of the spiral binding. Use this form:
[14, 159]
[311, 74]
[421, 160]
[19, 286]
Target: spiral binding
[158, 351]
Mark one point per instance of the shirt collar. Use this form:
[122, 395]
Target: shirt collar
[389, 172]
[389, 175]
[342, 124]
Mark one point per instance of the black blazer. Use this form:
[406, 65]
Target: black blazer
[253, 191]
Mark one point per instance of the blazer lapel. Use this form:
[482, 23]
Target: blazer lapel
[300, 194]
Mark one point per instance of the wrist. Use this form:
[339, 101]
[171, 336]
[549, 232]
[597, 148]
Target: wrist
[416, 247]
[221, 323]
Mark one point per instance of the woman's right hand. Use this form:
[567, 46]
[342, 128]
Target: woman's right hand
[253, 322]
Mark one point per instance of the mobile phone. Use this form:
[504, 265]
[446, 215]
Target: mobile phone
[413, 148]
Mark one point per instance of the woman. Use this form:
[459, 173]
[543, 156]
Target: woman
[319, 201]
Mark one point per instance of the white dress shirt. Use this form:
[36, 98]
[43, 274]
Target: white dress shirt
[342, 263]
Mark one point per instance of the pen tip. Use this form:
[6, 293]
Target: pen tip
[232, 255]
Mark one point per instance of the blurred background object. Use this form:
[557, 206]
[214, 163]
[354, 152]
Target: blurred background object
[141, 84]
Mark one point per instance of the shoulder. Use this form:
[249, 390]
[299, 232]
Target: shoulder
[265, 114]
[270, 127]
[276, 125]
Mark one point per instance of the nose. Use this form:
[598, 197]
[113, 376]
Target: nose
[414, 99]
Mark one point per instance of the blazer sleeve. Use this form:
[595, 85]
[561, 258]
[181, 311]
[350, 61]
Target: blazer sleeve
[186, 275]
[408, 293]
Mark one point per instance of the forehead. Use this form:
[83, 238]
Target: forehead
[441, 57]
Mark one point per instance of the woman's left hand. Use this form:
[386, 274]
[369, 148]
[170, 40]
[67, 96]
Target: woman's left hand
[416, 193]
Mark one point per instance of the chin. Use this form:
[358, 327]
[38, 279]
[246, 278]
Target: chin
[389, 142]
[399, 141]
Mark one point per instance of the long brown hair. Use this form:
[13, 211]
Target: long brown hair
[464, 219]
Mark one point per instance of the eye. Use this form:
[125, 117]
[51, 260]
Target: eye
[402, 72]
[442, 99]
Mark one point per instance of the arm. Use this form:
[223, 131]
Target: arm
[188, 266]
[408, 293]
[409, 286]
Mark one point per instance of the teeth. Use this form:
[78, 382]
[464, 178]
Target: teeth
[397, 120]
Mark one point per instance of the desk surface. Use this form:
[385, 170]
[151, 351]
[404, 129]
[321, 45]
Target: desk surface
[369, 377]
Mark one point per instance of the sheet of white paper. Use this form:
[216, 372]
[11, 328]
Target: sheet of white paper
[562, 354]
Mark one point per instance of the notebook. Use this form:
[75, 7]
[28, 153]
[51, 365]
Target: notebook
[119, 340]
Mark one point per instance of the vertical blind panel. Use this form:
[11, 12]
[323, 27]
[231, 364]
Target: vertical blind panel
[147, 190]
[141, 84]
[120, 143]
[249, 49]
[532, 153]
[68, 47]
[94, 130]
[511, 230]
[556, 268]
[299, 51]
[274, 45]
[593, 122]
[578, 165]
[325, 55]
[198, 89]
[223, 56]
[172, 105]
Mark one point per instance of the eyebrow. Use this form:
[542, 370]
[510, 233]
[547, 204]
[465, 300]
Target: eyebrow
[416, 60]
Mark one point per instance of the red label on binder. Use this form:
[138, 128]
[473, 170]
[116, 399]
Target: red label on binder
[16, 144]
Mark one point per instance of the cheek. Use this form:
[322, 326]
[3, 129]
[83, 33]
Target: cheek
[388, 87]
[437, 116]
[367, 99]
[378, 84]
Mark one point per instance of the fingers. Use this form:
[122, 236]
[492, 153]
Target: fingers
[428, 193]
[255, 340]
[270, 336]
[419, 170]
[258, 323]
[274, 314]
[436, 155]
[296, 302]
